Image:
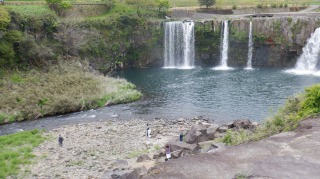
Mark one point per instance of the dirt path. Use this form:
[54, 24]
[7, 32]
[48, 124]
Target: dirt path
[291, 155]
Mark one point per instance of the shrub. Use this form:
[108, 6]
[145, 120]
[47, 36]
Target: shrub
[285, 5]
[259, 6]
[281, 6]
[234, 7]
[4, 19]
[274, 5]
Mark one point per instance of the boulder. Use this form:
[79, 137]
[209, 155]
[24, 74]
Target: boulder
[241, 124]
[178, 145]
[201, 132]
[222, 129]
[143, 158]
[158, 154]
[176, 154]
[135, 174]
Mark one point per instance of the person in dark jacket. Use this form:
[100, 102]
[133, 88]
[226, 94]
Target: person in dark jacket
[60, 140]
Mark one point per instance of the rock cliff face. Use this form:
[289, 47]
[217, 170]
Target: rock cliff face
[277, 41]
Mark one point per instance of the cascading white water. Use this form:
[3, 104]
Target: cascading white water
[179, 45]
[250, 48]
[224, 51]
[307, 62]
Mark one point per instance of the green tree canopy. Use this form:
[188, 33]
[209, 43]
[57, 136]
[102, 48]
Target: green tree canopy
[4, 19]
[207, 3]
[162, 4]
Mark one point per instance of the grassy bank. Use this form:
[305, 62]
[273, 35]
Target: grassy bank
[287, 118]
[15, 150]
[64, 88]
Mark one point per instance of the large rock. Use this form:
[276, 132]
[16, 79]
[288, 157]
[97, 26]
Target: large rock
[143, 158]
[135, 174]
[201, 132]
[158, 154]
[178, 145]
[241, 124]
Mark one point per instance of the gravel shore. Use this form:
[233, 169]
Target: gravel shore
[90, 149]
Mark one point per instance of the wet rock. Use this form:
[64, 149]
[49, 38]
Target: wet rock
[143, 158]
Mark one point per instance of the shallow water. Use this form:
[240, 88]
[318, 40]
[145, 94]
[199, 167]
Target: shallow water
[222, 96]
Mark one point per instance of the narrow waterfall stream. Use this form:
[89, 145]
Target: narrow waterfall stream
[307, 62]
[224, 51]
[179, 45]
[250, 48]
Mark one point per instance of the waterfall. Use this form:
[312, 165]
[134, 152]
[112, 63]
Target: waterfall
[179, 45]
[224, 48]
[307, 62]
[250, 47]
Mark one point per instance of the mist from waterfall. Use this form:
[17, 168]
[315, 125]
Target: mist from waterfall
[307, 62]
[179, 45]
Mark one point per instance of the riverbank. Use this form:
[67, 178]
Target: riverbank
[62, 88]
[91, 149]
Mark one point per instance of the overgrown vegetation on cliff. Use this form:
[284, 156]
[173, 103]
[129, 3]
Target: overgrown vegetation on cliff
[287, 118]
[65, 87]
[36, 76]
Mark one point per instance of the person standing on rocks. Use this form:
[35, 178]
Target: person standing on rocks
[181, 133]
[148, 131]
[168, 153]
[60, 140]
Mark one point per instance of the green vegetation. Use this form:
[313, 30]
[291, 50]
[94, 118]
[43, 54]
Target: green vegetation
[136, 153]
[31, 10]
[288, 117]
[243, 3]
[15, 150]
[66, 87]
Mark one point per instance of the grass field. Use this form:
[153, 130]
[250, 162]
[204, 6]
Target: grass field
[31, 10]
[15, 150]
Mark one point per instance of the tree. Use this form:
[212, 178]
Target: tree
[207, 3]
[4, 19]
[162, 4]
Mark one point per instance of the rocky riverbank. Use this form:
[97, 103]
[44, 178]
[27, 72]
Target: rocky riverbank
[115, 149]
[91, 149]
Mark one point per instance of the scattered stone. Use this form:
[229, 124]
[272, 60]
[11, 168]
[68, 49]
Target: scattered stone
[120, 164]
[143, 158]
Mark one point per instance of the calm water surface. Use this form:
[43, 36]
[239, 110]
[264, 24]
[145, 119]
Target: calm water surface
[219, 95]
[172, 93]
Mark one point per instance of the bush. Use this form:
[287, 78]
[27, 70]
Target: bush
[4, 19]
[274, 5]
[281, 6]
[259, 6]
[234, 7]
[285, 5]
